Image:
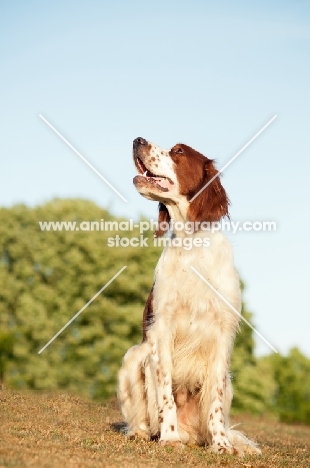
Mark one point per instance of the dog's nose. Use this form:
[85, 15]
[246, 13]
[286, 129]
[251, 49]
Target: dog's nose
[139, 141]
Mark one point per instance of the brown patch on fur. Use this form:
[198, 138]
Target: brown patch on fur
[222, 433]
[172, 427]
[160, 419]
[148, 316]
[142, 377]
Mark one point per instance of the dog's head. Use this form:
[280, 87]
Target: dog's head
[173, 177]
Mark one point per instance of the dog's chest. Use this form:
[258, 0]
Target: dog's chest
[175, 277]
[183, 297]
[174, 271]
[177, 291]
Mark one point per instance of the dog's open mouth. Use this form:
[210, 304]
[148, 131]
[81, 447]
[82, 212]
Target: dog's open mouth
[163, 183]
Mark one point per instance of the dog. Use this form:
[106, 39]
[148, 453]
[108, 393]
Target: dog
[176, 384]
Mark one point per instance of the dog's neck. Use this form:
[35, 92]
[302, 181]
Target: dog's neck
[178, 214]
[178, 211]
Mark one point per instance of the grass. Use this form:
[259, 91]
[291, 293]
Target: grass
[61, 430]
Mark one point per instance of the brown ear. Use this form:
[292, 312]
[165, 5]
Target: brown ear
[163, 217]
[212, 203]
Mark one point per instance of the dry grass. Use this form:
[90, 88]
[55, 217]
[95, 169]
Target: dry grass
[44, 430]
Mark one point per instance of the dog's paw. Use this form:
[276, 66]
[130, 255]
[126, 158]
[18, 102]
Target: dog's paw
[225, 449]
[222, 449]
[171, 443]
[238, 451]
[138, 434]
[251, 449]
[242, 443]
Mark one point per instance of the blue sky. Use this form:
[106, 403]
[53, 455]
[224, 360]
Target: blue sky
[209, 74]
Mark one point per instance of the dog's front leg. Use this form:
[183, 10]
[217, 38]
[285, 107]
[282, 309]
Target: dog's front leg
[218, 397]
[161, 342]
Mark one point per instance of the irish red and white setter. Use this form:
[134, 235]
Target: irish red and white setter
[176, 384]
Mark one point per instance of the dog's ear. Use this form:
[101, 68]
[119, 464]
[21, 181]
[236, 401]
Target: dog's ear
[163, 220]
[212, 203]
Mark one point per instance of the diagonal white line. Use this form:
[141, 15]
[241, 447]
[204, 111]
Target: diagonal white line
[82, 157]
[233, 158]
[233, 309]
[83, 308]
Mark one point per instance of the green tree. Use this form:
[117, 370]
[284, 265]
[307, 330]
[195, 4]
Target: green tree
[46, 277]
[291, 398]
[6, 351]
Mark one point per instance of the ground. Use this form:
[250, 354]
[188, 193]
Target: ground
[61, 430]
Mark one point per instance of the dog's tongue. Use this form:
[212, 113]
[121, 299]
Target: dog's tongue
[164, 183]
